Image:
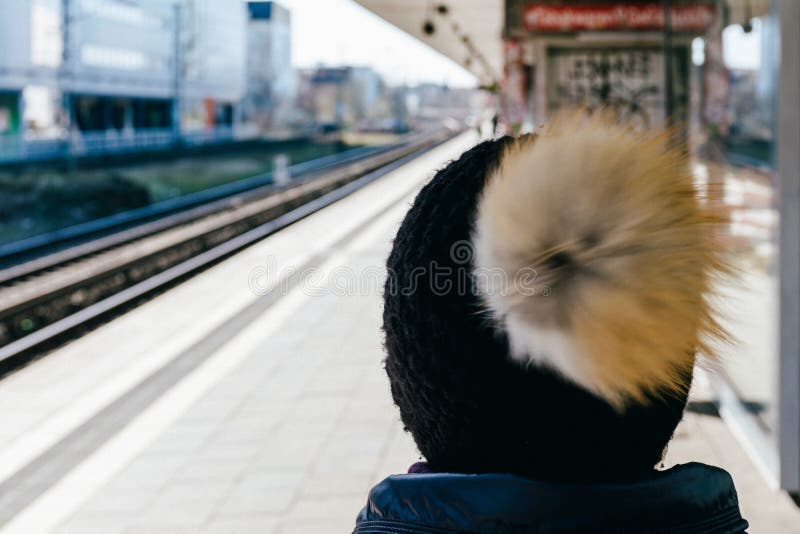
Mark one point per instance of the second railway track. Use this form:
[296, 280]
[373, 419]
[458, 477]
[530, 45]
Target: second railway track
[42, 301]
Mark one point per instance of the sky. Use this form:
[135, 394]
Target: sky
[341, 32]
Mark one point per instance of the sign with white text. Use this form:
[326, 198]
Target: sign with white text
[556, 18]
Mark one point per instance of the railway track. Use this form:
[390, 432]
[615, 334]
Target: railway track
[46, 300]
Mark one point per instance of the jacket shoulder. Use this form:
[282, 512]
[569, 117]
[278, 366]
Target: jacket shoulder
[687, 499]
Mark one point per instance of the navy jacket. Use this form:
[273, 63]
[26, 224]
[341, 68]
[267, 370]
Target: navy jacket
[691, 498]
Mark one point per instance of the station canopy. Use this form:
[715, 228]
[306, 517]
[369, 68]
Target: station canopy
[467, 31]
[470, 31]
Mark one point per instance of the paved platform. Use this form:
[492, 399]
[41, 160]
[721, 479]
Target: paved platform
[251, 398]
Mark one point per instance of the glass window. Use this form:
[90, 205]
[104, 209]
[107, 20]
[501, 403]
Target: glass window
[737, 153]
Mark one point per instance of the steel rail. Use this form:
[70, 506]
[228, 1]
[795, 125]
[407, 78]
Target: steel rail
[318, 194]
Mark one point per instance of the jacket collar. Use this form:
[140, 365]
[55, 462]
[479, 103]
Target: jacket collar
[687, 499]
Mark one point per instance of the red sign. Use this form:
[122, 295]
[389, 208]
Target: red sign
[616, 17]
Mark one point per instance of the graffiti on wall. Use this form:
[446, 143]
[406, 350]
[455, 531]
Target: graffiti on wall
[627, 81]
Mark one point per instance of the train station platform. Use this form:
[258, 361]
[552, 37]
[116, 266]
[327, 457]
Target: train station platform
[252, 397]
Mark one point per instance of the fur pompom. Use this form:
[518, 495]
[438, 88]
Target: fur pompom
[598, 256]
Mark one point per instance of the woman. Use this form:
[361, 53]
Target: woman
[547, 301]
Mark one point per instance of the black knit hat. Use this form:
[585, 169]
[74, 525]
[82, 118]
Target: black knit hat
[470, 405]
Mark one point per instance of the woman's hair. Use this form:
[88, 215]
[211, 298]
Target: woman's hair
[525, 327]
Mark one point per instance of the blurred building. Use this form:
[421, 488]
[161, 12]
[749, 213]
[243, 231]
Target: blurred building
[112, 62]
[270, 77]
[30, 50]
[429, 101]
[118, 64]
[14, 65]
[213, 59]
[358, 99]
[342, 96]
[122, 68]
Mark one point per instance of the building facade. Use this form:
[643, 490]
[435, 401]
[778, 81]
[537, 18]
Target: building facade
[118, 64]
[342, 96]
[16, 63]
[120, 70]
[271, 83]
[213, 62]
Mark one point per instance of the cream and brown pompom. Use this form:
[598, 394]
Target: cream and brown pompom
[609, 257]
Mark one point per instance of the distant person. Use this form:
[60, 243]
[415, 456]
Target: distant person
[547, 300]
[495, 123]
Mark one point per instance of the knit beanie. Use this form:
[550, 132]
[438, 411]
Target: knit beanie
[546, 303]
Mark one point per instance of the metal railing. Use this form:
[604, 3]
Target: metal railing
[50, 240]
[16, 148]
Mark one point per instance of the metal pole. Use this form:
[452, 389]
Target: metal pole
[667, 48]
[788, 141]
